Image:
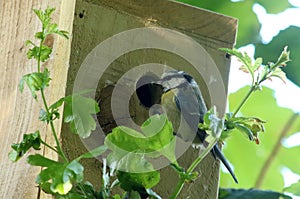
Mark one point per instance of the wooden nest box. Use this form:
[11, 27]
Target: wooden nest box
[125, 42]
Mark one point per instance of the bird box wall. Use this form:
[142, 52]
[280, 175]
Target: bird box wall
[97, 21]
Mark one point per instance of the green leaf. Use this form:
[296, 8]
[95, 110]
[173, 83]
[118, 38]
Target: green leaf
[134, 195]
[35, 82]
[39, 14]
[80, 191]
[247, 66]
[212, 124]
[257, 63]
[33, 53]
[93, 153]
[62, 33]
[160, 140]
[78, 112]
[43, 116]
[44, 16]
[279, 73]
[61, 176]
[38, 53]
[39, 160]
[45, 53]
[293, 189]
[246, 130]
[57, 104]
[52, 28]
[250, 194]
[28, 42]
[117, 196]
[138, 181]
[39, 35]
[32, 140]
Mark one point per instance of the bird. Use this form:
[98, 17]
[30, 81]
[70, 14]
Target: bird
[182, 101]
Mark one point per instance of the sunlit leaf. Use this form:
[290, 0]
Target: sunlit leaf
[156, 138]
[61, 176]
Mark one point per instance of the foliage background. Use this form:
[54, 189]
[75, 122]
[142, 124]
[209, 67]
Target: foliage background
[247, 158]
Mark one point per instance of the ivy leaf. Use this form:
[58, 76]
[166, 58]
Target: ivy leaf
[250, 194]
[35, 81]
[293, 189]
[29, 140]
[78, 112]
[61, 176]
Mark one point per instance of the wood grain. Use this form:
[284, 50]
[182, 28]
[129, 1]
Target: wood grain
[19, 112]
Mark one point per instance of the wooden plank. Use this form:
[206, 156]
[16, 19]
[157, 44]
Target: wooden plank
[186, 18]
[19, 112]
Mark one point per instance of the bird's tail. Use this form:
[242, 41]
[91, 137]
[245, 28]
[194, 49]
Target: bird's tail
[218, 154]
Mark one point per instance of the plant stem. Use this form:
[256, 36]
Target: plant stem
[58, 146]
[194, 164]
[47, 145]
[178, 188]
[274, 152]
[244, 100]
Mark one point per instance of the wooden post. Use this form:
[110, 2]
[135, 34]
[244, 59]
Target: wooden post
[19, 112]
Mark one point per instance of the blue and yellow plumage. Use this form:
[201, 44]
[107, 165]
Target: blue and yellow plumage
[183, 103]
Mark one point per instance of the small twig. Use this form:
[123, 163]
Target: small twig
[274, 152]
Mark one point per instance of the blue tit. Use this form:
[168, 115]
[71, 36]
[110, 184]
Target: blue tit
[183, 103]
